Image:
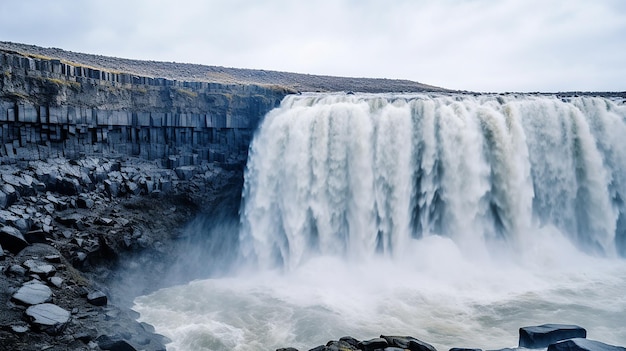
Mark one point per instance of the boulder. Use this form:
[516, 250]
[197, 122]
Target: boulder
[540, 336]
[97, 298]
[464, 349]
[48, 318]
[408, 343]
[582, 344]
[33, 294]
[340, 346]
[113, 344]
[373, 344]
[12, 239]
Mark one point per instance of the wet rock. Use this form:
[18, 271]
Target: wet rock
[1, 252]
[84, 201]
[97, 298]
[48, 317]
[107, 343]
[340, 346]
[464, 349]
[12, 240]
[373, 344]
[408, 343]
[350, 340]
[33, 294]
[287, 349]
[582, 344]
[535, 337]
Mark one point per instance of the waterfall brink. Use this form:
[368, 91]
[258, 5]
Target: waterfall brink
[361, 175]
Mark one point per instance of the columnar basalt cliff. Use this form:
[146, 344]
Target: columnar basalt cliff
[51, 108]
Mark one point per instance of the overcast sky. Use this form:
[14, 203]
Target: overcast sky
[479, 45]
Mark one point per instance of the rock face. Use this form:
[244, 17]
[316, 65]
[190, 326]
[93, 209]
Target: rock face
[536, 337]
[51, 108]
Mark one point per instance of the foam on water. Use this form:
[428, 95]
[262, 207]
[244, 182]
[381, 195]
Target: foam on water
[453, 219]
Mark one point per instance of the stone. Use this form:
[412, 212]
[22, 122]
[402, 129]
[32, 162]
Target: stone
[33, 294]
[48, 317]
[582, 344]
[350, 340]
[464, 349]
[107, 343]
[373, 344]
[20, 329]
[40, 268]
[287, 349]
[340, 346]
[97, 298]
[35, 236]
[408, 343]
[540, 336]
[56, 281]
[84, 202]
[12, 239]
[17, 270]
[1, 252]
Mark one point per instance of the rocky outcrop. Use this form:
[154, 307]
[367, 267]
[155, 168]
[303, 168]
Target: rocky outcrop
[50, 108]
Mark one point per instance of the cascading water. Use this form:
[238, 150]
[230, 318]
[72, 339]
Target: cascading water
[440, 217]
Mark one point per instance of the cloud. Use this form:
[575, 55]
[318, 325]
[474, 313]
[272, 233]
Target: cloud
[509, 45]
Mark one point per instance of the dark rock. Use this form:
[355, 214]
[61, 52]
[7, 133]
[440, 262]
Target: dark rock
[86, 335]
[535, 337]
[581, 344]
[350, 340]
[11, 194]
[12, 240]
[408, 342]
[373, 344]
[33, 294]
[464, 349]
[97, 298]
[339, 346]
[35, 236]
[107, 343]
[48, 318]
[17, 270]
[85, 202]
[319, 348]
[287, 349]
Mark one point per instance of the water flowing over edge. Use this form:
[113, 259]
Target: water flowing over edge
[354, 175]
[456, 219]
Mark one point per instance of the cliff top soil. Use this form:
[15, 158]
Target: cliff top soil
[224, 75]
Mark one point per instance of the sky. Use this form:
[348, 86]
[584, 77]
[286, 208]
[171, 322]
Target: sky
[476, 45]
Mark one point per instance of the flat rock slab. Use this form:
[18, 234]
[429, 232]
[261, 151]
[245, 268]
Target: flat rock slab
[33, 294]
[540, 336]
[48, 317]
[580, 344]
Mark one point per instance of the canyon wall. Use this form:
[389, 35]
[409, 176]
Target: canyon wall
[53, 108]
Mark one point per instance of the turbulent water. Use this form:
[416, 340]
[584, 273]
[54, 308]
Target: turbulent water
[454, 219]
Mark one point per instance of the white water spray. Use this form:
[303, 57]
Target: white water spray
[454, 219]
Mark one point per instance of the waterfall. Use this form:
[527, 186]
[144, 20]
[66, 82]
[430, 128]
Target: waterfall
[355, 176]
